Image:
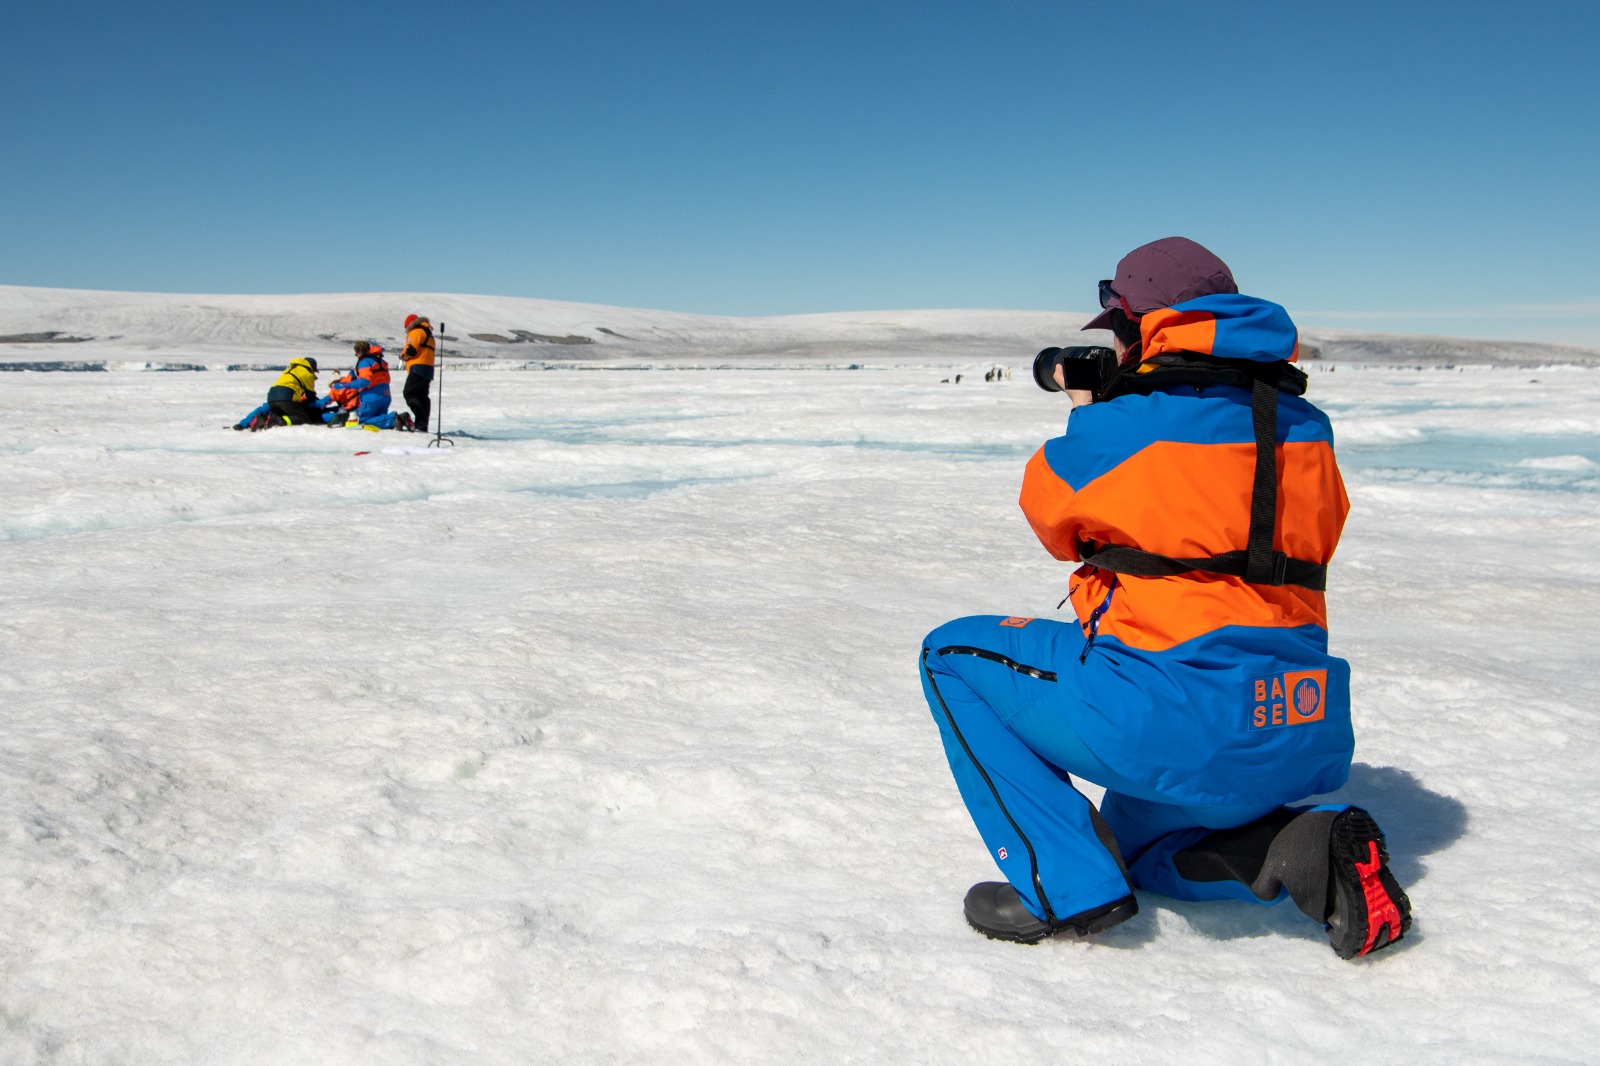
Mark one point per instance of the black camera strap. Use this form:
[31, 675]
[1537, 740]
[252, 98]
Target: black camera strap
[1258, 562]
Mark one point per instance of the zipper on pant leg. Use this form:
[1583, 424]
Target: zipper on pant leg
[1033, 859]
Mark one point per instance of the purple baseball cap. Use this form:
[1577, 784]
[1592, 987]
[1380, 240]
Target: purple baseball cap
[1163, 273]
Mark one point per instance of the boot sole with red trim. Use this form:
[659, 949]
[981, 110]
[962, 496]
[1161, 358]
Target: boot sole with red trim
[1369, 911]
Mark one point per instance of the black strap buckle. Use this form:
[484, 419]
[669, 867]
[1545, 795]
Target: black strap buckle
[1270, 569]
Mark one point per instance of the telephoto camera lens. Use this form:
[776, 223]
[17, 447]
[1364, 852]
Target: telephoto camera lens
[1083, 367]
[1044, 369]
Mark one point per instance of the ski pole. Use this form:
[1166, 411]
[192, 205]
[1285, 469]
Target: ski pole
[438, 440]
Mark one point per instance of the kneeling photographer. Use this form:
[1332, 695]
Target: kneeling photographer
[1200, 493]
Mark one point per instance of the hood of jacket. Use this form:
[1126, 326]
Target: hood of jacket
[1224, 326]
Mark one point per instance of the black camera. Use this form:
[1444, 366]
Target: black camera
[1083, 367]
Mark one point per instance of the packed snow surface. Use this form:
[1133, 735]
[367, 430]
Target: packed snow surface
[597, 736]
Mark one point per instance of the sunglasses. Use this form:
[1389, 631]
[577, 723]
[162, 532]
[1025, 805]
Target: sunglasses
[1110, 300]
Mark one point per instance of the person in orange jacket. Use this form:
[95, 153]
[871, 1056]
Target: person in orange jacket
[418, 360]
[1200, 493]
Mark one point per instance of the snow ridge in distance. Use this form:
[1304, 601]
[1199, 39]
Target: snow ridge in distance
[72, 325]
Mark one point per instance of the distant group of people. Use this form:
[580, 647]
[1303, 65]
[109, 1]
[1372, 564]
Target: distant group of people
[362, 393]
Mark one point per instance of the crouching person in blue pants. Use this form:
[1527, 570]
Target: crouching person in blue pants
[1200, 491]
[369, 383]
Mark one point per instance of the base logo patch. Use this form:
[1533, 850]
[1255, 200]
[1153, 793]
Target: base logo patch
[1297, 697]
[1015, 622]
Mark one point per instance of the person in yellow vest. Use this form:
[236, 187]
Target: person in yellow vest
[293, 397]
[418, 360]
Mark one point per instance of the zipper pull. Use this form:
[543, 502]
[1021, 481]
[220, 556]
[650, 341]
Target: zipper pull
[1094, 619]
[1071, 589]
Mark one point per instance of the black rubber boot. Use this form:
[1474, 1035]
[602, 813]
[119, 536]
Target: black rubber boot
[1332, 864]
[995, 909]
[1367, 909]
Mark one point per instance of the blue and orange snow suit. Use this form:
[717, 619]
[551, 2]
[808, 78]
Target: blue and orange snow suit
[1200, 700]
[369, 383]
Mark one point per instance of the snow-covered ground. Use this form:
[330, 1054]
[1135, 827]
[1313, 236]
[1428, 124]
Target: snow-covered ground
[597, 737]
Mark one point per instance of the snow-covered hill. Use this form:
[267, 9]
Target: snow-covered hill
[66, 325]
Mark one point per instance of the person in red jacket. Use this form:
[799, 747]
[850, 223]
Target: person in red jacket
[1200, 493]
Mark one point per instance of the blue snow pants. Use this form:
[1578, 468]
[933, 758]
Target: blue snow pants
[1003, 698]
[383, 419]
[373, 409]
[251, 417]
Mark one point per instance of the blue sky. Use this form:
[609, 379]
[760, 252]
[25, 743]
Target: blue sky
[1410, 167]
